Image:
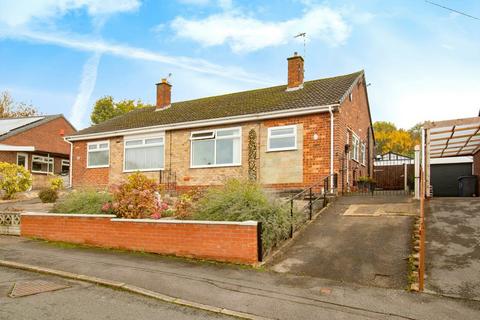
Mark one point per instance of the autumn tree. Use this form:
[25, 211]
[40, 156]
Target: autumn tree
[106, 108]
[13, 109]
[390, 138]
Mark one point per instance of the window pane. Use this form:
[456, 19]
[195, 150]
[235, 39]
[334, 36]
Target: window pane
[282, 131]
[103, 146]
[203, 152]
[98, 158]
[92, 147]
[200, 135]
[280, 143]
[133, 143]
[154, 140]
[21, 161]
[144, 158]
[228, 133]
[228, 151]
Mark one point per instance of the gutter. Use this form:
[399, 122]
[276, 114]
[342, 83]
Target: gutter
[207, 122]
[70, 168]
[331, 145]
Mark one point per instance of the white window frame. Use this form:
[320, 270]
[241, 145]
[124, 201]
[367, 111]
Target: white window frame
[26, 158]
[98, 143]
[143, 138]
[52, 163]
[363, 152]
[355, 147]
[63, 163]
[269, 135]
[215, 138]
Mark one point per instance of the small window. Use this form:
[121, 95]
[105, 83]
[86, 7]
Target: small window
[22, 160]
[98, 155]
[363, 154]
[144, 154]
[65, 166]
[355, 147]
[282, 138]
[221, 147]
[42, 164]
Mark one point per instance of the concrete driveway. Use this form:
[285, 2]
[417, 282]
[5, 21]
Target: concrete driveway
[364, 240]
[453, 247]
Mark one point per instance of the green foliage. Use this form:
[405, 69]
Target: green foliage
[106, 108]
[12, 109]
[14, 179]
[389, 138]
[252, 155]
[184, 207]
[48, 195]
[138, 198]
[56, 183]
[243, 201]
[88, 201]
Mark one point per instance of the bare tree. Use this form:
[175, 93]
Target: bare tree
[12, 109]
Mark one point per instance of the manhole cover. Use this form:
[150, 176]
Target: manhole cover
[27, 288]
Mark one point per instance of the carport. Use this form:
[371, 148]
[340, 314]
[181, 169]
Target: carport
[450, 139]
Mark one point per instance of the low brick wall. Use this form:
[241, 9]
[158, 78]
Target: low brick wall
[222, 241]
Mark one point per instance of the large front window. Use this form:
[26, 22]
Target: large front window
[42, 164]
[221, 147]
[98, 155]
[144, 154]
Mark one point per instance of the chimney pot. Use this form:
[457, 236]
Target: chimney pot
[164, 94]
[295, 72]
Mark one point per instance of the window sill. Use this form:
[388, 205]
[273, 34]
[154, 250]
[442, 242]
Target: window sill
[283, 149]
[144, 170]
[98, 167]
[42, 172]
[216, 166]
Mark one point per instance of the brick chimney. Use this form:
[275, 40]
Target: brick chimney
[295, 72]
[164, 94]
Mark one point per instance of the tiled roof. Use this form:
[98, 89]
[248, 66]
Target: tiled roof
[12, 126]
[314, 93]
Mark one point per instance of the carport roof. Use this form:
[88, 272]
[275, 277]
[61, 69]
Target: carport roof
[453, 138]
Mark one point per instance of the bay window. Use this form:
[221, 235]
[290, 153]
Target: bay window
[144, 154]
[282, 138]
[98, 154]
[220, 147]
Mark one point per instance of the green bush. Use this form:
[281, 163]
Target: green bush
[14, 179]
[56, 183]
[48, 195]
[242, 201]
[87, 201]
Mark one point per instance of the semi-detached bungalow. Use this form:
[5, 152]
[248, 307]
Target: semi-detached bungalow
[286, 137]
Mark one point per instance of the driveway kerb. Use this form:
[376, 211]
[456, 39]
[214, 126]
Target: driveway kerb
[131, 289]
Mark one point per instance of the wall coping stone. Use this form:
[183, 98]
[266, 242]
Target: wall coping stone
[77, 215]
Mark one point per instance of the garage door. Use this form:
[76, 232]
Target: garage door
[444, 178]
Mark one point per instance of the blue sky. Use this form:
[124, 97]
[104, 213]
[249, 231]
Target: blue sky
[61, 55]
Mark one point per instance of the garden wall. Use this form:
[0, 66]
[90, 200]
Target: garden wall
[222, 241]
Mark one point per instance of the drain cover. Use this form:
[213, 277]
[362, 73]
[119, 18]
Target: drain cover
[27, 288]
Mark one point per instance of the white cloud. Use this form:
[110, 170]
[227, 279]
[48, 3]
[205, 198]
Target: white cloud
[87, 84]
[246, 34]
[21, 12]
[92, 45]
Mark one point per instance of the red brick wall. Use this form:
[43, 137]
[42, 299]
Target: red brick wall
[476, 168]
[83, 176]
[8, 156]
[45, 137]
[218, 241]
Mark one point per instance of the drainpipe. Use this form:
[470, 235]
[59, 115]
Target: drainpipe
[70, 167]
[331, 145]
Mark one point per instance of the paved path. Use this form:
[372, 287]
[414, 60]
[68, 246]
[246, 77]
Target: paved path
[453, 247]
[356, 240]
[264, 293]
[83, 301]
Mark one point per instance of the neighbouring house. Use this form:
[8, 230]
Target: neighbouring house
[286, 137]
[38, 144]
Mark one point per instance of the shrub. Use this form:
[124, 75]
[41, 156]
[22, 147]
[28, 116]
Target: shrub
[184, 207]
[242, 201]
[88, 201]
[48, 195]
[56, 183]
[14, 179]
[138, 198]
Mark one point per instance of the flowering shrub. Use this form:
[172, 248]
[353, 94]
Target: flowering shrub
[56, 183]
[138, 198]
[185, 204]
[13, 179]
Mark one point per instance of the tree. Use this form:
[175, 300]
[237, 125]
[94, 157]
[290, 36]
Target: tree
[12, 109]
[389, 138]
[106, 108]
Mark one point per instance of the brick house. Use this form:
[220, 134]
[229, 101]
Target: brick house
[38, 144]
[288, 136]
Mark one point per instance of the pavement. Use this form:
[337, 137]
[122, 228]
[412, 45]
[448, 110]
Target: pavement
[358, 239]
[79, 300]
[453, 247]
[256, 291]
[32, 205]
